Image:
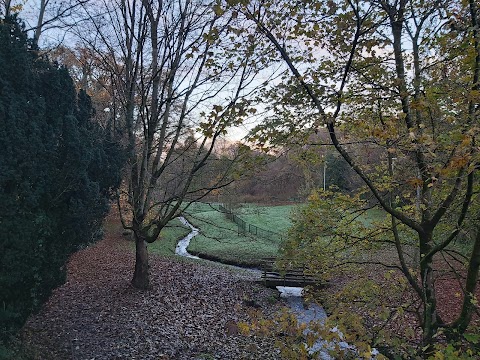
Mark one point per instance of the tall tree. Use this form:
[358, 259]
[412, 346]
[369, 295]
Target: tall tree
[403, 77]
[44, 15]
[179, 82]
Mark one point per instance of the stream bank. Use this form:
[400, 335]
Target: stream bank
[293, 297]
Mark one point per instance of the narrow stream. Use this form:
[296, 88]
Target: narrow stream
[305, 313]
[182, 245]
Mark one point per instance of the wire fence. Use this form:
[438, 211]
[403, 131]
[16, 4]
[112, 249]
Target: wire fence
[244, 227]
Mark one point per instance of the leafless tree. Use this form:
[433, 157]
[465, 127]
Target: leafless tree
[179, 82]
[44, 15]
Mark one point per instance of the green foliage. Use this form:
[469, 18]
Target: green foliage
[296, 340]
[332, 229]
[462, 348]
[57, 171]
[337, 172]
[396, 85]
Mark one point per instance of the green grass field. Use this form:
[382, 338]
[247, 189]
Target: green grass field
[273, 218]
[173, 232]
[219, 238]
[169, 236]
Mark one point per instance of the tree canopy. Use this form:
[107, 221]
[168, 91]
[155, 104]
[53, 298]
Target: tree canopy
[394, 83]
[178, 80]
[399, 79]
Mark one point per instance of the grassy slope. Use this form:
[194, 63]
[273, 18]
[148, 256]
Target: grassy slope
[273, 218]
[219, 238]
[167, 241]
[173, 232]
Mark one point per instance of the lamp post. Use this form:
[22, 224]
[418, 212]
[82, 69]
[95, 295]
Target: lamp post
[324, 173]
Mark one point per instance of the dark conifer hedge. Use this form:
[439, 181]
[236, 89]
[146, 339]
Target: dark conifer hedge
[57, 171]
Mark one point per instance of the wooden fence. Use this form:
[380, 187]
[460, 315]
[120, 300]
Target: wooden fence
[244, 227]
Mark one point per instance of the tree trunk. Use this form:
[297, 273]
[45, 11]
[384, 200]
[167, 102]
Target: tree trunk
[141, 278]
[468, 306]
[430, 321]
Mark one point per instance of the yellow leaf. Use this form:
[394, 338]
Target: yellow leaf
[217, 9]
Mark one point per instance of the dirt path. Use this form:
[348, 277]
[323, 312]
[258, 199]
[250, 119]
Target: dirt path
[189, 313]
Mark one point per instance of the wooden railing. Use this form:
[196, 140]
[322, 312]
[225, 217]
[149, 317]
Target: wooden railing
[285, 273]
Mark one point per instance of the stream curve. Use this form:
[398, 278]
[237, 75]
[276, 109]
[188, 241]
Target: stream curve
[182, 245]
[305, 313]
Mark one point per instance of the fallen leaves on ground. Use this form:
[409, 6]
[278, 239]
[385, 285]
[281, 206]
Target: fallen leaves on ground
[188, 313]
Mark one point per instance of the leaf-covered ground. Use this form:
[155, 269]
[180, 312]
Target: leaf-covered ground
[190, 313]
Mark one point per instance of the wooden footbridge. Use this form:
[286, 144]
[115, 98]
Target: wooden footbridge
[286, 273]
